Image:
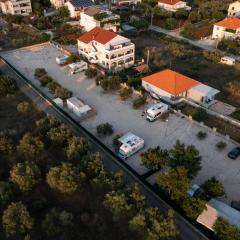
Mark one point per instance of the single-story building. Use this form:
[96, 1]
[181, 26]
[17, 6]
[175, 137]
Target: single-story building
[77, 106]
[173, 87]
[215, 209]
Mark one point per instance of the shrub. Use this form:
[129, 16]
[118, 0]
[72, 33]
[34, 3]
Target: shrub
[201, 135]
[111, 83]
[140, 24]
[199, 114]
[73, 58]
[24, 107]
[126, 93]
[91, 72]
[214, 56]
[170, 23]
[7, 85]
[105, 129]
[52, 86]
[44, 80]
[6, 144]
[40, 72]
[221, 145]
[138, 102]
[213, 188]
[62, 93]
[134, 82]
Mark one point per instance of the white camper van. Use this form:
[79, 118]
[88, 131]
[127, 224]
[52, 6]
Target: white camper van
[156, 110]
[130, 145]
[60, 60]
[77, 67]
[228, 61]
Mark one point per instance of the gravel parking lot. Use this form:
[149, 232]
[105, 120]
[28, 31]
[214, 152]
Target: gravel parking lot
[124, 118]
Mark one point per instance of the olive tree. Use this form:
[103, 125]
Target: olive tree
[213, 188]
[16, 220]
[25, 175]
[6, 144]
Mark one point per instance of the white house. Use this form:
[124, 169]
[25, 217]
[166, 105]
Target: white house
[125, 2]
[77, 106]
[94, 17]
[215, 209]
[75, 7]
[234, 9]
[173, 5]
[15, 7]
[57, 3]
[227, 28]
[173, 87]
[107, 49]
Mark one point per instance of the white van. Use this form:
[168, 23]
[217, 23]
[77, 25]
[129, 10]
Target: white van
[228, 61]
[156, 111]
[78, 67]
[60, 60]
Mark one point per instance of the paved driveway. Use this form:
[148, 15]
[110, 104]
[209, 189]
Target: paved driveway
[124, 118]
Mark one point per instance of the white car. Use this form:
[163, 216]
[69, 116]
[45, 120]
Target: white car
[195, 190]
[60, 60]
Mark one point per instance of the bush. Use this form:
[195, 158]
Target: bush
[6, 144]
[201, 135]
[24, 107]
[105, 129]
[126, 93]
[170, 23]
[62, 93]
[199, 114]
[40, 72]
[221, 145]
[214, 56]
[140, 24]
[91, 72]
[52, 86]
[7, 85]
[44, 80]
[111, 83]
[134, 82]
[73, 58]
[138, 102]
[213, 188]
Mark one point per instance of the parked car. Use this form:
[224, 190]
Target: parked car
[234, 153]
[236, 205]
[195, 191]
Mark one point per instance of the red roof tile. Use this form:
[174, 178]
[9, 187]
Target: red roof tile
[171, 82]
[98, 34]
[170, 2]
[231, 23]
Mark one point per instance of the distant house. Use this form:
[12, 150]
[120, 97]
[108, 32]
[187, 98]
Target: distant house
[173, 5]
[107, 49]
[234, 9]
[125, 2]
[75, 7]
[94, 17]
[215, 209]
[57, 3]
[173, 87]
[228, 28]
[15, 7]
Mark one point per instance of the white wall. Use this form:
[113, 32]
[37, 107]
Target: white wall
[234, 9]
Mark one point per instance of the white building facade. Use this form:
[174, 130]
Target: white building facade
[94, 17]
[107, 49]
[173, 5]
[57, 3]
[14, 7]
[229, 28]
[234, 9]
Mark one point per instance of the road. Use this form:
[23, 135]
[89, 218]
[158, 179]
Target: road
[176, 34]
[186, 230]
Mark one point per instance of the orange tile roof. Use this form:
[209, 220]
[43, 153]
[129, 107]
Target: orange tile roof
[231, 23]
[170, 2]
[98, 34]
[171, 82]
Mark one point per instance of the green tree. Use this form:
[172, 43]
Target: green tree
[73, 58]
[193, 207]
[30, 146]
[24, 107]
[187, 157]
[6, 144]
[62, 93]
[16, 220]
[63, 12]
[45, 124]
[25, 175]
[7, 85]
[65, 178]
[225, 231]
[175, 182]
[77, 148]
[40, 72]
[105, 129]
[176, 49]
[91, 72]
[199, 114]
[154, 158]
[125, 93]
[213, 188]
[6, 193]
[170, 23]
[56, 222]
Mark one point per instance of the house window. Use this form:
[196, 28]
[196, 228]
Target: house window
[232, 8]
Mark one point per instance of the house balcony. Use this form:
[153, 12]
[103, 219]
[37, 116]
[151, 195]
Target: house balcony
[122, 46]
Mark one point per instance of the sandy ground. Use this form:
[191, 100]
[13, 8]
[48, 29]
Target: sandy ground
[124, 118]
